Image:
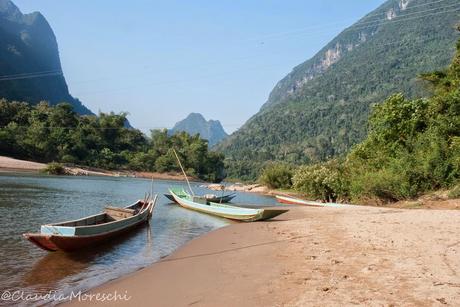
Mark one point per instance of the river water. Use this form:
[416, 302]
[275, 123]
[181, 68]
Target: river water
[28, 201]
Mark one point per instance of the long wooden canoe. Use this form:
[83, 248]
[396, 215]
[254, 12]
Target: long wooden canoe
[77, 234]
[210, 197]
[297, 201]
[200, 204]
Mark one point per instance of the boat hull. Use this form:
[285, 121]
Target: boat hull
[219, 199]
[170, 197]
[229, 212]
[290, 201]
[92, 234]
[295, 201]
[70, 244]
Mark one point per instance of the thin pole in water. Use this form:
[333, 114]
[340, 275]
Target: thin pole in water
[151, 187]
[185, 175]
[222, 187]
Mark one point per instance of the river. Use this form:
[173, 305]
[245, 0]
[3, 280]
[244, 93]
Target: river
[28, 201]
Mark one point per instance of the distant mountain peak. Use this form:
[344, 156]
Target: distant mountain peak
[195, 123]
[11, 12]
[9, 9]
[196, 116]
[28, 47]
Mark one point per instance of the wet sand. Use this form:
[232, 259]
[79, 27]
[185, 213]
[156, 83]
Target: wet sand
[310, 257]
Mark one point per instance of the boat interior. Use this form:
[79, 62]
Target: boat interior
[200, 200]
[110, 214]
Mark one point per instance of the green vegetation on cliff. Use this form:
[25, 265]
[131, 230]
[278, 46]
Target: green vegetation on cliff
[320, 110]
[413, 146]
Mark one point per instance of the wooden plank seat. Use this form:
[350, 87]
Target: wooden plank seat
[118, 213]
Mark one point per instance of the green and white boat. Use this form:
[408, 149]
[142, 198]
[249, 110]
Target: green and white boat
[200, 204]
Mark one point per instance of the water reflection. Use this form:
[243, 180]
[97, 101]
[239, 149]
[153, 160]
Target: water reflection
[56, 266]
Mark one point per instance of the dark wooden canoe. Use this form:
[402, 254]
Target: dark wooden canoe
[77, 234]
[211, 198]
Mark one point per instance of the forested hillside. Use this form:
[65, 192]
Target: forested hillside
[44, 133]
[320, 109]
[413, 147]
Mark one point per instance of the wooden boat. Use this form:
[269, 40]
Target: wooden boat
[230, 212]
[210, 197]
[297, 201]
[77, 234]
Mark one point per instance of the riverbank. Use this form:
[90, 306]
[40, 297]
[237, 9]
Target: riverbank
[310, 256]
[434, 200]
[240, 187]
[15, 165]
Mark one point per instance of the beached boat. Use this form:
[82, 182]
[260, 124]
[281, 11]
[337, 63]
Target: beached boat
[297, 201]
[209, 197]
[77, 234]
[230, 212]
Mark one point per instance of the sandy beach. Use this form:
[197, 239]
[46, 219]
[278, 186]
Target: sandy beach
[10, 164]
[15, 165]
[310, 257]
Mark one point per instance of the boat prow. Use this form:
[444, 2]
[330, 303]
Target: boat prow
[42, 241]
[271, 213]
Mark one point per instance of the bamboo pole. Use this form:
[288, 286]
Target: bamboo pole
[185, 175]
[151, 187]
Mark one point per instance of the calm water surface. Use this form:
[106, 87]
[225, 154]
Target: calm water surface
[28, 201]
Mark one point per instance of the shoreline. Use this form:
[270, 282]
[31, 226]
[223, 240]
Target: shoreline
[309, 256]
[437, 200]
[434, 200]
[8, 165]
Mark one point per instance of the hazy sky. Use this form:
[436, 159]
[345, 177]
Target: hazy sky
[160, 60]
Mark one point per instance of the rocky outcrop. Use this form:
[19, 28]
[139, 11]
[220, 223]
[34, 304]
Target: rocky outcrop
[30, 68]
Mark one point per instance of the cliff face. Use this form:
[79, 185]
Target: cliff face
[320, 109]
[338, 48]
[195, 123]
[30, 68]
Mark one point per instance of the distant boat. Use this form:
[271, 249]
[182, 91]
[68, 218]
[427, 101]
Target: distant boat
[230, 212]
[77, 234]
[209, 197]
[297, 201]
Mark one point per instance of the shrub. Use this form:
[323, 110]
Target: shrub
[55, 168]
[383, 184]
[455, 192]
[69, 159]
[327, 181]
[277, 176]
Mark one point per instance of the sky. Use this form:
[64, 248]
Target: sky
[161, 60]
